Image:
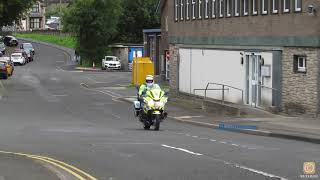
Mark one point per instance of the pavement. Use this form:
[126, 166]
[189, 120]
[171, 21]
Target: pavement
[79, 118]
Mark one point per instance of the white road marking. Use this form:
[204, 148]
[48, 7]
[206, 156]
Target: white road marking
[59, 61]
[229, 163]
[59, 95]
[84, 85]
[116, 116]
[113, 95]
[259, 172]
[181, 149]
[96, 82]
[76, 71]
[59, 69]
[54, 79]
[187, 117]
[248, 169]
[107, 93]
[225, 142]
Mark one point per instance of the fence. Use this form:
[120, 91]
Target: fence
[47, 32]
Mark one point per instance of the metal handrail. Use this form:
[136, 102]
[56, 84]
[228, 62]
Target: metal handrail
[223, 89]
[274, 89]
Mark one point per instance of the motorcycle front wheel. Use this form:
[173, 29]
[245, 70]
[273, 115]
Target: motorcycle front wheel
[157, 122]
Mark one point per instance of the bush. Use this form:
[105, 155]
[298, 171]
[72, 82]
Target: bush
[62, 40]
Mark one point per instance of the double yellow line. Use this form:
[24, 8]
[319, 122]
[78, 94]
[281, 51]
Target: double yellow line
[74, 171]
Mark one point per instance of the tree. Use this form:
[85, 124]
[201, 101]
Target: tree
[94, 24]
[138, 15]
[12, 10]
[56, 10]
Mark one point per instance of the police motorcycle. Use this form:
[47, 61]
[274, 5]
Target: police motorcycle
[151, 108]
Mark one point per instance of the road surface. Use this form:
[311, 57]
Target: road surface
[48, 111]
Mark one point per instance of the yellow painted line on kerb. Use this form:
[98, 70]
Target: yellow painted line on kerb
[76, 172]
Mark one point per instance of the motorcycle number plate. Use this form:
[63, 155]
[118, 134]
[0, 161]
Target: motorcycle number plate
[137, 104]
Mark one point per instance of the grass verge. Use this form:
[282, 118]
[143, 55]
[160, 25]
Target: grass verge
[65, 41]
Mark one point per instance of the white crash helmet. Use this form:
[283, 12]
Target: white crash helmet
[149, 80]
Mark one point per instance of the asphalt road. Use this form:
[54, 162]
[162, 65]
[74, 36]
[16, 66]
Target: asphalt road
[45, 110]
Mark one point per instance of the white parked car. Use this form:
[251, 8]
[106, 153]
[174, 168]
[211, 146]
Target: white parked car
[18, 58]
[111, 62]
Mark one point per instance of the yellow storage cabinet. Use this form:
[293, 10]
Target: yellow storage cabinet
[142, 67]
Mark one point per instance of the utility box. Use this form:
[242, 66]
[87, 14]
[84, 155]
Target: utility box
[142, 67]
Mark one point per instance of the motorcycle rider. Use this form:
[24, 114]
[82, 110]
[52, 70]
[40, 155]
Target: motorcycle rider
[146, 86]
[149, 84]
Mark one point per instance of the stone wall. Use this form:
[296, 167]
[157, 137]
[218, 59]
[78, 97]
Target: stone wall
[174, 70]
[122, 54]
[300, 91]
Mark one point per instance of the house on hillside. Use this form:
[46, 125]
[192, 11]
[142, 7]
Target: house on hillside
[35, 18]
[265, 53]
[56, 2]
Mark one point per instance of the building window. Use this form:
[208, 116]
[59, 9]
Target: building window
[166, 24]
[236, 7]
[181, 10]
[298, 5]
[34, 23]
[213, 9]
[245, 7]
[176, 9]
[254, 7]
[229, 8]
[264, 6]
[200, 9]
[187, 9]
[35, 8]
[286, 6]
[275, 6]
[299, 64]
[221, 8]
[206, 9]
[193, 7]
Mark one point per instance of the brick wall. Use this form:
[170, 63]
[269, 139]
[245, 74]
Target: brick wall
[300, 91]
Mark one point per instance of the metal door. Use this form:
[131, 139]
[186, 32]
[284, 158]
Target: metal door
[254, 80]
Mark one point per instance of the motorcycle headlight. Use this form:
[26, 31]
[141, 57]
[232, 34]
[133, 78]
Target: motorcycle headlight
[151, 103]
[158, 104]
